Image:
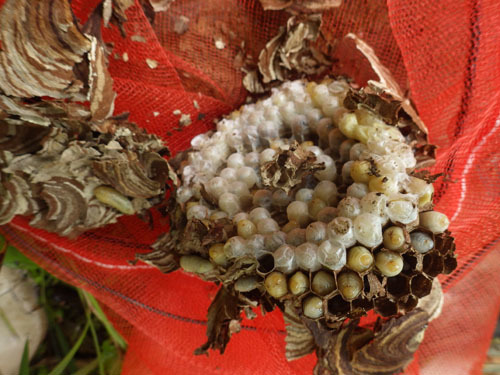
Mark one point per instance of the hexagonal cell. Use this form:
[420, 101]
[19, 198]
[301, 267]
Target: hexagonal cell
[406, 245]
[253, 295]
[410, 264]
[385, 306]
[350, 285]
[366, 285]
[398, 285]
[359, 307]
[266, 264]
[423, 231]
[248, 283]
[338, 307]
[313, 307]
[323, 283]
[443, 243]
[297, 285]
[433, 264]
[450, 263]
[280, 216]
[452, 248]
[407, 303]
[421, 285]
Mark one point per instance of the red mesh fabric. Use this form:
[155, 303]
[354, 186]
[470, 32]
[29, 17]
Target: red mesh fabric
[445, 52]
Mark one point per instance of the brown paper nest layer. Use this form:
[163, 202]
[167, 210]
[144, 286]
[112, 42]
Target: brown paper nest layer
[55, 151]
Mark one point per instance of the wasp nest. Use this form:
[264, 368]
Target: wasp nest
[310, 198]
[69, 167]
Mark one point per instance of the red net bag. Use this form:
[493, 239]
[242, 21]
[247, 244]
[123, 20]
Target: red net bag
[444, 53]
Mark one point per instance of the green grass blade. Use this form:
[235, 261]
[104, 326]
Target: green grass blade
[58, 370]
[96, 309]
[55, 333]
[15, 259]
[94, 339]
[97, 348]
[88, 368]
[6, 321]
[3, 249]
[25, 360]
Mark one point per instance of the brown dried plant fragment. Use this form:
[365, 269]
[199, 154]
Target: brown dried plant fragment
[301, 6]
[288, 55]
[276, 4]
[160, 5]
[245, 265]
[289, 167]
[113, 11]
[222, 313]
[290, 50]
[106, 13]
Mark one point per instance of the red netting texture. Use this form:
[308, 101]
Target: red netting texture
[445, 53]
